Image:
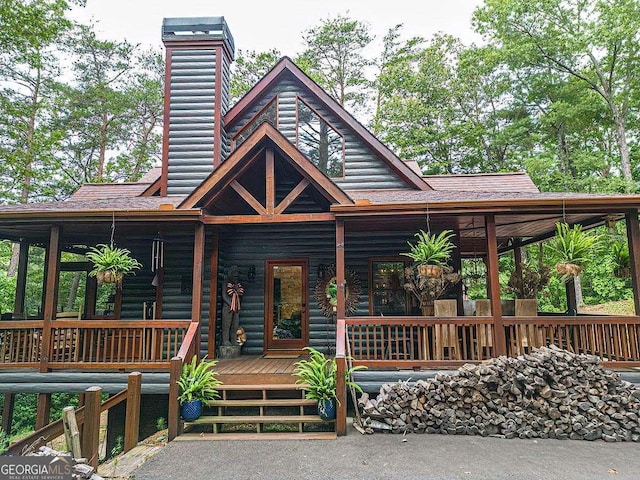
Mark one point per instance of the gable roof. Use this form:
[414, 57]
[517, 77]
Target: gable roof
[286, 66]
[483, 182]
[242, 157]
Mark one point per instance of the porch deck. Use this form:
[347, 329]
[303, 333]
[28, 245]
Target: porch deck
[253, 370]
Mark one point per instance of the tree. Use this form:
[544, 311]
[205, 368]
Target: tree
[594, 42]
[249, 67]
[334, 58]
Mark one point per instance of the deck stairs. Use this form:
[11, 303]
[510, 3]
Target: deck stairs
[262, 412]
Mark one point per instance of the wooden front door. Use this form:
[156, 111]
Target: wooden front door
[287, 297]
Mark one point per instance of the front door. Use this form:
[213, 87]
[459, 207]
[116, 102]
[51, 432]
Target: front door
[286, 314]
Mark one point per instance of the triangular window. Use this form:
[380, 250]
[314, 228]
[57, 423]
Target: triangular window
[269, 113]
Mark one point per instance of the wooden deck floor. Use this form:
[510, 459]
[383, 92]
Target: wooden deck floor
[255, 370]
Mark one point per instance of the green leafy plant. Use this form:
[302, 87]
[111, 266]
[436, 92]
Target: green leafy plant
[572, 248]
[109, 259]
[431, 249]
[161, 423]
[621, 259]
[198, 381]
[4, 441]
[118, 446]
[318, 376]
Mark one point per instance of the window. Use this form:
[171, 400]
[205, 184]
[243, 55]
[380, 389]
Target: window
[387, 294]
[269, 113]
[319, 141]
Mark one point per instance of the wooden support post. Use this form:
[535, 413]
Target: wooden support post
[71, 431]
[173, 421]
[572, 303]
[43, 410]
[270, 182]
[50, 293]
[517, 260]
[80, 400]
[91, 425]
[456, 259]
[341, 387]
[493, 280]
[633, 237]
[7, 412]
[21, 280]
[132, 422]
[213, 296]
[198, 257]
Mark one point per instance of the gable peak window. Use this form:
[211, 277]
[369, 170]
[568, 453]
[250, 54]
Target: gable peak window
[319, 141]
[268, 113]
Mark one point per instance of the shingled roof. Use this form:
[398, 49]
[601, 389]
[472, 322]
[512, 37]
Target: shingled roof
[483, 182]
[111, 204]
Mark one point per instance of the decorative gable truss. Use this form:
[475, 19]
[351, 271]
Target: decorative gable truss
[266, 179]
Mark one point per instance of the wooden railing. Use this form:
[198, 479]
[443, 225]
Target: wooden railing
[92, 344]
[20, 343]
[88, 419]
[614, 339]
[438, 342]
[189, 348]
[100, 344]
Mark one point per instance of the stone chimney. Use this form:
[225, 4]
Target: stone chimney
[199, 52]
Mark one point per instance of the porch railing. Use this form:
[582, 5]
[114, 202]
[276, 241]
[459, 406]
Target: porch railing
[92, 344]
[438, 342]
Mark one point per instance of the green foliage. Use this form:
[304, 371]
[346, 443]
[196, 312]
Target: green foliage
[431, 249]
[111, 258]
[318, 376]
[573, 245]
[198, 381]
[249, 67]
[118, 446]
[24, 412]
[4, 441]
[620, 257]
[161, 423]
[532, 280]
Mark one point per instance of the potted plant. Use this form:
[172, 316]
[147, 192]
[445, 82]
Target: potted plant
[427, 289]
[621, 259]
[111, 264]
[431, 252]
[526, 287]
[573, 247]
[318, 378]
[198, 383]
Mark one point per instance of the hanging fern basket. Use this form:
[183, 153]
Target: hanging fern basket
[109, 276]
[429, 271]
[567, 269]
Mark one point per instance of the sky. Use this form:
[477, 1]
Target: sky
[262, 25]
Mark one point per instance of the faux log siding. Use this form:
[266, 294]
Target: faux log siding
[363, 169]
[252, 245]
[137, 289]
[178, 266]
[226, 96]
[191, 119]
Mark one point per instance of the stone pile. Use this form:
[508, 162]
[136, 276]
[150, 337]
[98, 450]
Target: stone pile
[549, 393]
[81, 469]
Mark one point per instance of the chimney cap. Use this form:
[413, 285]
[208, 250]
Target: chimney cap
[197, 28]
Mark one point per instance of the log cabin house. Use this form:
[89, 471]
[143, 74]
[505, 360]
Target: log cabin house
[289, 187]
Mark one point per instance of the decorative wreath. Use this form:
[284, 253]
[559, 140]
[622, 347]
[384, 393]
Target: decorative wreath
[327, 292]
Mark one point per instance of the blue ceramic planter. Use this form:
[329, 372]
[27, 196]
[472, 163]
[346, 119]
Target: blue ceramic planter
[190, 411]
[327, 409]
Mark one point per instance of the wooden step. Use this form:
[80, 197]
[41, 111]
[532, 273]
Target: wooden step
[211, 419]
[276, 402]
[258, 436]
[261, 387]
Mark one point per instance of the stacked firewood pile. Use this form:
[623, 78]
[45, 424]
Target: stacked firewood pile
[81, 470]
[549, 393]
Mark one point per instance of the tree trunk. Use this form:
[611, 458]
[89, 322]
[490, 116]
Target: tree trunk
[103, 147]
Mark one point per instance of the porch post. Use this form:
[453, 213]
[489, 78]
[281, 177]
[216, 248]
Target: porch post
[196, 297]
[50, 293]
[457, 266]
[7, 412]
[21, 279]
[341, 388]
[493, 280]
[43, 410]
[213, 296]
[633, 237]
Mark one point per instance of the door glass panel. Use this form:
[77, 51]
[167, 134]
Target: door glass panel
[287, 302]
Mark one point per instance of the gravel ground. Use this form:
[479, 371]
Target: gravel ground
[387, 456]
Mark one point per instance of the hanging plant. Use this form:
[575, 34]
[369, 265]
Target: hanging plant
[572, 247]
[111, 264]
[431, 252]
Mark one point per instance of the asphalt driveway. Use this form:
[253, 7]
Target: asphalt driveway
[387, 456]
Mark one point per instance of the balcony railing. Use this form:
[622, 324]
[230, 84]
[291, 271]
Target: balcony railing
[91, 344]
[437, 342]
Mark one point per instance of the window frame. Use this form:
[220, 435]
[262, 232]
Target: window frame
[330, 124]
[276, 98]
[389, 259]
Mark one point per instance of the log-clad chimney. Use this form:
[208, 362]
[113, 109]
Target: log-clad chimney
[199, 52]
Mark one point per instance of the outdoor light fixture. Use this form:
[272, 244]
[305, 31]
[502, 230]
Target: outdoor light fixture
[610, 222]
[321, 269]
[157, 253]
[251, 274]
